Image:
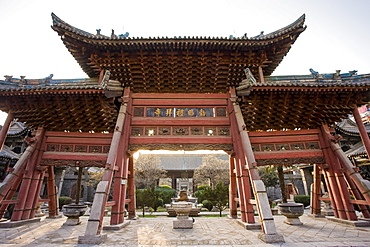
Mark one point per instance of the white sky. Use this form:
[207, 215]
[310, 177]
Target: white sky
[337, 33]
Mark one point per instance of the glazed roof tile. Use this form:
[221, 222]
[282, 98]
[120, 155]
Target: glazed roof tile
[96, 52]
[18, 85]
[8, 154]
[321, 81]
[295, 25]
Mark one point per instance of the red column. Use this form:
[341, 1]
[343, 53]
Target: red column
[117, 187]
[10, 195]
[364, 210]
[36, 182]
[240, 188]
[316, 192]
[330, 192]
[95, 221]
[27, 186]
[361, 127]
[5, 129]
[335, 177]
[52, 193]
[131, 189]
[232, 189]
[238, 155]
[36, 201]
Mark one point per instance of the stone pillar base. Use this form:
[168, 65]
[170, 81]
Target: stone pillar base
[72, 221]
[92, 239]
[250, 226]
[293, 221]
[328, 212]
[10, 224]
[271, 238]
[183, 224]
[117, 227]
[356, 223]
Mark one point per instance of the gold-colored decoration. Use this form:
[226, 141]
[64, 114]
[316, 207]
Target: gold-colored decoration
[180, 112]
[202, 113]
[169, 112]
[157, 112]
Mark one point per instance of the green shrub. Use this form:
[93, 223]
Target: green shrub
[202, 187]
[302, 199]
[158, 203]
[200, 192]
[64, 200]
[166, 193]
[208, 205]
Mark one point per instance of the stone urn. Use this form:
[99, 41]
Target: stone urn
[182, 210]
[73, 212]
[292, 212]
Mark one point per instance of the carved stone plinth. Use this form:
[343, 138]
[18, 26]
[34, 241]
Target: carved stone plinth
[182, 210]
[183, 224]
[73, 212]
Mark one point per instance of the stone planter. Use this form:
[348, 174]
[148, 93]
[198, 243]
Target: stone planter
[292, 212]
[182, 210]
[73, 212]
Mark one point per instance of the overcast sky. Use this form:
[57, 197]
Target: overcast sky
[336, 38]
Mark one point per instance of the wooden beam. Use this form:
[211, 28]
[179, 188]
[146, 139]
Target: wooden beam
[179, 102]
[80, 141]
[288, 154]
[75, 156]
[180, 121]
[284, 139]
[179, 139]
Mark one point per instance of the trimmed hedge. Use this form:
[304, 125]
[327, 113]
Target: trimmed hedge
[302, 199]
[64, 200]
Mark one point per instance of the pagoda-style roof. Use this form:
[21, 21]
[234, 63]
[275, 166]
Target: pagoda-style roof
[61, 105]
[349, 127]
[177, 64]
[303, 101]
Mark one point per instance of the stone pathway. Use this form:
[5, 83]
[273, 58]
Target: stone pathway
[207, 231]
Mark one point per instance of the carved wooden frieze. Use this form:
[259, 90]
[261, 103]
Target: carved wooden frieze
[312, 145]
[188, 146]
[66, 148]
[164, 131]
[137, 131]
[53, 147]
[221, 111]
[81, 148]
[291, 161]
[139, 112]
[297, 146]
[79, 163]
[69, 148]
[225, 131]
[196, 131]
[95, 149]
[180, 131]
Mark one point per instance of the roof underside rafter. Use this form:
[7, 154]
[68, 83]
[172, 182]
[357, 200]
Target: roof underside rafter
[184, 64]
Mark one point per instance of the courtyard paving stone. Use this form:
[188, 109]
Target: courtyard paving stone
[207, 231]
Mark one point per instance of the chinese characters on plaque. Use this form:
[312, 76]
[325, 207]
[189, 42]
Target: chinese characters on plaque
[179, 112]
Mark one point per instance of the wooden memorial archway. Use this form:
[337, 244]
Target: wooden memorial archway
[182, 93]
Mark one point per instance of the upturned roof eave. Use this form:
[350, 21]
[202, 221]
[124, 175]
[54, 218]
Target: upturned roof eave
[62, 27]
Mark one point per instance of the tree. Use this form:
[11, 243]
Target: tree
[219, 196]
[166, 193]
[212, 170]
[268, 176]
[148, 170]
[280, 176]
[147, 198]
